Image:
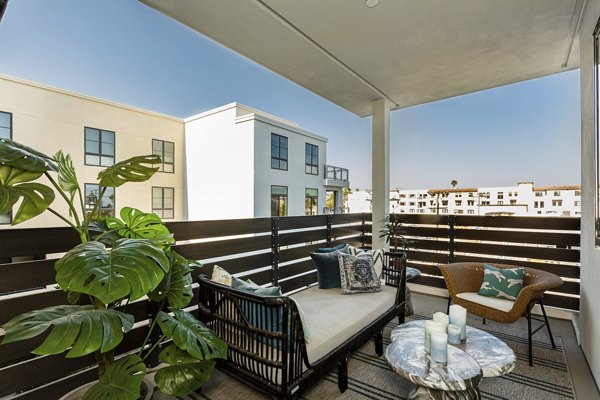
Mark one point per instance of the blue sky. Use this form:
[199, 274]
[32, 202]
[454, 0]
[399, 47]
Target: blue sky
[123, 51]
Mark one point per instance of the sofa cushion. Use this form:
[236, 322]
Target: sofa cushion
[332, 319]
[221, 276]
[502, 283]
[357, 274]
[328, 269]
[377, 257]
[492, 302]
[340, 247]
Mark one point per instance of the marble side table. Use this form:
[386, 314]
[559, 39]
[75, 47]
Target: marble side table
[482, 355]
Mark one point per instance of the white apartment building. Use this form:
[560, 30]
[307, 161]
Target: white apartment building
[230, 162]
[245, 163]
[523, 199]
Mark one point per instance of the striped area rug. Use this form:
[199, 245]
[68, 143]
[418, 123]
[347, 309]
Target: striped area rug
[370, 377]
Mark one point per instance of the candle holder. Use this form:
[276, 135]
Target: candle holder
[454, 334]
[431, 327]
[439, 347]
[458, 317]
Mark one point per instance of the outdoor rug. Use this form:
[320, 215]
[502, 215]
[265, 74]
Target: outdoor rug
[369, 377]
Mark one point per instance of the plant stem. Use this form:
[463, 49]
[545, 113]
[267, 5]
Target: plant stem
[152, 326]
[64, 196]
[153, 347]
[64, 219]
[82, 205]
[87, 220]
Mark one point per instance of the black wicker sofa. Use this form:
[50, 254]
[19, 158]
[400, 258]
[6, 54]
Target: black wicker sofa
[281, 345]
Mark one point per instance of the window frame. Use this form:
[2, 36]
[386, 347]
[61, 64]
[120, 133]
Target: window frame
[162, 156]
[99, 154]
[279, 159]
[89, 209]
[162, 209]
[278, 198]
[10, 135]
[309, 152]
[316, 202]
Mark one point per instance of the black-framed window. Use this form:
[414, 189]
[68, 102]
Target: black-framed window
[6, 133]
[596, 128]
[279, 152]
[166, 151]
[99, 147]
[163, 202]
[279, 199]
[311, 201]
[107, 204]
[311, 159]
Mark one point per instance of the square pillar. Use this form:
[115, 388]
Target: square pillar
[380, 168]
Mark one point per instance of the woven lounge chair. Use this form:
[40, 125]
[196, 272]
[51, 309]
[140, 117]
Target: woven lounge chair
[463, 281]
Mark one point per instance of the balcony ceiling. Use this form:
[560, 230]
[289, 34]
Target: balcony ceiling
[408, 51]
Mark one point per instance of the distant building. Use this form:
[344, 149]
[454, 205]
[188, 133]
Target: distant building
[523, 199]
[229, 162]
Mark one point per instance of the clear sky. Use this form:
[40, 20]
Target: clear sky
[123, 51]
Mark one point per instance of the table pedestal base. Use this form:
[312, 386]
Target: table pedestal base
[423, 393]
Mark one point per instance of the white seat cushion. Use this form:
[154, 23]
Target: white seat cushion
[491, 302]
[332, 318]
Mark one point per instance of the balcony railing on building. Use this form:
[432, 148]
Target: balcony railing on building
[336, 210]
[336, 173]
[270, 250]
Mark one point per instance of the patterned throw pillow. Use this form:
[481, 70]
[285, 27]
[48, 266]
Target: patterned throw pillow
[377, 257]
[358, 274]
[502, 283]
[221, 276]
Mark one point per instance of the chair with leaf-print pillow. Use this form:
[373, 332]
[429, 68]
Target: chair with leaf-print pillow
[489, 296]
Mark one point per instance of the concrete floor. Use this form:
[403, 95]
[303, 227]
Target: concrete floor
[583, 381]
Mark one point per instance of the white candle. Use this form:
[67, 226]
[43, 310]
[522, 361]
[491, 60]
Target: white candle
[439, 347]
[430, 327]
[441, 318]
[454, 334]
[458, 317]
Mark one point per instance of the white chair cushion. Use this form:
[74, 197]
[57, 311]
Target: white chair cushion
[491, 302]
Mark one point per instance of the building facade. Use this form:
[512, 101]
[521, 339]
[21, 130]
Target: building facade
[229, 162]
[523, 199]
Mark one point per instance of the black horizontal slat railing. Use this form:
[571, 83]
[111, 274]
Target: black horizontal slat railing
[547, 243]
[271, 250]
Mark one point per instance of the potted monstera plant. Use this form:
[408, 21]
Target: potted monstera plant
[118, 261]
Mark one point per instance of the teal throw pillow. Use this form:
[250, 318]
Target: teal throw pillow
[252, 287]
[328, 269]
[502, 283]
[340, 247]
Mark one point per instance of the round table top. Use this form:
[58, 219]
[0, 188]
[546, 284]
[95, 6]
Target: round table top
[494, 357]
[412, 273]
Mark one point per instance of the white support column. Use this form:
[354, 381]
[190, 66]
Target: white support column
[380, 198]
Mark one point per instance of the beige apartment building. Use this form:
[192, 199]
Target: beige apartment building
[96, 133]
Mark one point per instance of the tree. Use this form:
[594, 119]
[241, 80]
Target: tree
[453, 183]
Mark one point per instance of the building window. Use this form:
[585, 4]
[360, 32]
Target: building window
[99, 147]
[557, 193]
[578, 193]
[106, 208]
[311, 201]
[513, 202]
[279, 201]
[577, 203]
[500, 202]
[163, 202]
[166, 151]
[458, 202]
[539, 194]
[5, 125]
[312, 159]
[470, 202]
[279, 152]
[470, 211]
[557, 203]
[541, 204]
[5, 132]
[500, 195]
[535, 204]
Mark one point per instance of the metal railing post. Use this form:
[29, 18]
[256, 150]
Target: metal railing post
[451, 237]
[329, 238]
[275, 250]
[364, 229]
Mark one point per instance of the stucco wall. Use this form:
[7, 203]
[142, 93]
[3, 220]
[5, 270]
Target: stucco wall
[589, 319]
[50, 119]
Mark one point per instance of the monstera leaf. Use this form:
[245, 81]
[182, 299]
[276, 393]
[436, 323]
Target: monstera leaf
[17, 184]
[131, 269]
[135, 169]
[123, 380]
[135, 224]
[25, 158]
[176, 286]
[67, 179]
[184, 373]
[191, 335]
[81, 328]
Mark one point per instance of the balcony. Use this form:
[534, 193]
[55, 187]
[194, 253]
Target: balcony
[248, 247]
[336, 177]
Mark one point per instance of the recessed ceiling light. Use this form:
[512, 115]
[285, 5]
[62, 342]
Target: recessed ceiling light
[371, 3]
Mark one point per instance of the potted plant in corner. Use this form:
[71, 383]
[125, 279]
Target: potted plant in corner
[118, 261]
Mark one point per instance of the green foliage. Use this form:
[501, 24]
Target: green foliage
[184, 374]
[176, 286]
[17, 184]
[132, 268]
[67, 179]
[24, 158]
[191, 335]
[135, 224]
[134, 169]
[123, 381]
[393, 233]
[81, 328]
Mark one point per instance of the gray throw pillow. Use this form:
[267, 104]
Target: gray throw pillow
[357, 274]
